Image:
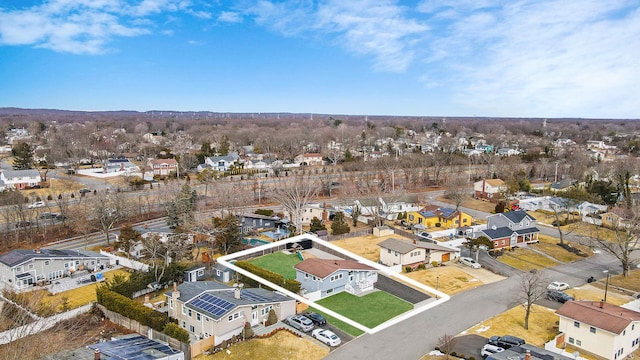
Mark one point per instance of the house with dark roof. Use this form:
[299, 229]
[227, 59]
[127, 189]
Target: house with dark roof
[598, 328]
[131, 346]
[323, 277]
[220, 163]
[528, 352]
[20, 179]
[511, 229]
[439, 216]
[22, 268]
[394, 252]
[210, 309]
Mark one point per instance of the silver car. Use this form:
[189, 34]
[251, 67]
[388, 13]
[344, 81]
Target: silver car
[470, 262]
[300, 322]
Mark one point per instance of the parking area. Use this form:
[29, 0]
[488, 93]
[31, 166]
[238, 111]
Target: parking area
[469, 345]
[400, 290]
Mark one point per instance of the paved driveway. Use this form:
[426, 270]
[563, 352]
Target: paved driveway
[400, 290]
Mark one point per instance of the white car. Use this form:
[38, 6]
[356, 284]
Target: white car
[326, 336]
[470, 262]
[559, 286]
[489, 349]
[37, 204]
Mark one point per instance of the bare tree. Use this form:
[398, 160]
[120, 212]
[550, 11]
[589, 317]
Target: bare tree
[294, 193]
[458, 190]
[160, 252]
[108, 208]
[531, 288]
[624, 242]
[446, 343]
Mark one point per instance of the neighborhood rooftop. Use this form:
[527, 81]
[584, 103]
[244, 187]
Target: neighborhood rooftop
[324, 267]
[17, 257]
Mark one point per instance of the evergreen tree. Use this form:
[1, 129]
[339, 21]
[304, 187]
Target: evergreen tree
[339, 225]
[22, 156]
[355, 214]
[317, 225]
[227, 234]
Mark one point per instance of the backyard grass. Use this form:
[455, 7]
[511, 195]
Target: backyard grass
[631, 282]
[282, 345]
[471, 203]
[353, 331]
[278, 262]
[595, 292]
[549, 245]
[81, 295]
[369, 310]
[365, 246]
[526, 259]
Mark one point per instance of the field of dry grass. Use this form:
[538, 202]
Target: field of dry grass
[631, 282]
[471, 203]
[526, 259]
[549, 246]
[57, 186]
[282, 345]
[541, 325]
[451, 280]
[365, 246]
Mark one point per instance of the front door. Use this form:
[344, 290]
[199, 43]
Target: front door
[254, 318]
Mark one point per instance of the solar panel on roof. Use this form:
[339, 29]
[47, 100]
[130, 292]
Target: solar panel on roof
[253, 296]
[212, 304]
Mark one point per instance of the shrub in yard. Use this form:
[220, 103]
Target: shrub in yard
[461, 356]
[247, 331]
[176, 332]
[289, 284]
[421, 267]
[453, 353]
[472, 358]
[407, 269]
[272, 318]
[434, 263]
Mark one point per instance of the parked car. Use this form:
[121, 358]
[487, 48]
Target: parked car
[47, 215]
[22, 224]
[557, 285]
[317, 319]
[326, 336]
[591, 279]
[84, 191]
[559, 296]
[300, 322]
[37, 204]
[470, 262]
[489, 349]
[506, 341]
[61, 217]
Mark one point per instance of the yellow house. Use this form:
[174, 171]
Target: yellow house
[435, 216]
[617, 217]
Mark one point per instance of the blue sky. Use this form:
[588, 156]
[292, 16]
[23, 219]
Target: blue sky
[544, 58]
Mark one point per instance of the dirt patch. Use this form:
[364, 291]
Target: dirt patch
[365, 246]
[471, 203]
[282, 345]
[450, 280]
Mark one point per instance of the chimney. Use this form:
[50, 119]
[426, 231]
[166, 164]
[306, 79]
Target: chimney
[96, 354]
[37, 250]
[527, 355]
[236, 292]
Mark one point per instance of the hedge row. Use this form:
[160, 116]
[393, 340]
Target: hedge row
[289, 284]
[142, 314]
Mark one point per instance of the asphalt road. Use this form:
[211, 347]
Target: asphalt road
[419, 335]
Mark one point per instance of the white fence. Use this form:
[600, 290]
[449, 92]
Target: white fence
[122, 261]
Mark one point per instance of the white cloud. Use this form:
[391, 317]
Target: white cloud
[551, 58]
[377, 28]
[81, 26]
[230, 17]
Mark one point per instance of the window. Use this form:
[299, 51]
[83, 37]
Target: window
[336, 277]
[389, 251]
[192, 328]
[189, 311]
[578, 342]
[571, 340]
[329, 291]
[236, 315]
[184, 324]
[184, 312]
[170, 303]
[592, 330]
[464, 221]
[576, 324]
[30, 266]
[200, 272]
[265, 310]
[19, 269]
[46, 262]
[306, 276]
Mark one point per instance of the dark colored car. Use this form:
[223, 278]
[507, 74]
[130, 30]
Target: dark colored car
[317, 319]
[559, 296]
[84, 191]
[506, 341]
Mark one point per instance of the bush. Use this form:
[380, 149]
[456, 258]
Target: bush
[434, 264]
[421, 267]
[131, 309]
[407, 269]
[247, 332]
[176, 332]
[453, 353]
[289, 284]
[472, 358]
[272, 318]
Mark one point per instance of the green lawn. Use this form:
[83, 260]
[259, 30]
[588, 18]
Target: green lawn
[353, 331]
[278, 262]
[369, 310]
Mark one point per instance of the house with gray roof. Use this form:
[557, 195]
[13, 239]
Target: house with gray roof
[220, 163]
[394, 252]
[20, 179]
[209, 308]
[324, 277]
[511, 229]
[23, 268]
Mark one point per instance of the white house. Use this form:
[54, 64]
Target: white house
[20, 179]
[220, 163]
[599, 328]
[489, 188]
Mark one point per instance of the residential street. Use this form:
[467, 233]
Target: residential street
[418, 335]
